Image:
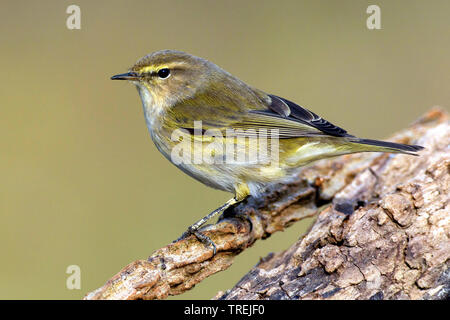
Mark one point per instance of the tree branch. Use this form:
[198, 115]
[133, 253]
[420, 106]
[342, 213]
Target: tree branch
[351, 185]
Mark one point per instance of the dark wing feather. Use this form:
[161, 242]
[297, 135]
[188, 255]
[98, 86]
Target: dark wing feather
[305, 116]
[271, 113]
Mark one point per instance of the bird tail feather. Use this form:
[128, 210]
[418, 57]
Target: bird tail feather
[385, 146]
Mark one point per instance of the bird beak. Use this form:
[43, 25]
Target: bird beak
[126, 76]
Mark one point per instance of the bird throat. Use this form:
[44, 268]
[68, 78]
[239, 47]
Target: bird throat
[152, 111]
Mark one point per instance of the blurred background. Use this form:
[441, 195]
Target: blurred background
[81, 181]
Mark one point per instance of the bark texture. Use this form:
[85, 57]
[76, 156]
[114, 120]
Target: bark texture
[384, 232]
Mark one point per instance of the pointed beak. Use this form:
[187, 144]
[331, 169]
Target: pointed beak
[126, 76]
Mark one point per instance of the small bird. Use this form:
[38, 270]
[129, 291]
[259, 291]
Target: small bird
[179, 91]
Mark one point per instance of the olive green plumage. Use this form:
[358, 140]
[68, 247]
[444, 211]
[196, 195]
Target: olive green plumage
[178, 89]
[198, 90]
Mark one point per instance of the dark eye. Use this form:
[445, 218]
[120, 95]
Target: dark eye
[164, 73]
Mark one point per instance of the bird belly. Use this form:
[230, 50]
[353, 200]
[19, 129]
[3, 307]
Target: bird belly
[218, 170]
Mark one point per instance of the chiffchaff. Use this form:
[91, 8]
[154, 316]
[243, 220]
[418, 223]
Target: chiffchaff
[216, 118]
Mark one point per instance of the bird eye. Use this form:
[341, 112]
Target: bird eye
[163, 73]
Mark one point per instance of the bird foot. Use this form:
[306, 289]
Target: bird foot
[200, 237]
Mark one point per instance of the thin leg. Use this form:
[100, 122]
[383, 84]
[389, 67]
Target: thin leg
[200, 236]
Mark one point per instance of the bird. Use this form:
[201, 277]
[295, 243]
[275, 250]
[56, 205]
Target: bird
[190, 104]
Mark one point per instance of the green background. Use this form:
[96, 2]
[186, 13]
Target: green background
[81, 181]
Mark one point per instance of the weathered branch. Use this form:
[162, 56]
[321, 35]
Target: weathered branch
[372, 198]
[385, 236]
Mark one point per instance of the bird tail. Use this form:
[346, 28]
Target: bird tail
[385, 146]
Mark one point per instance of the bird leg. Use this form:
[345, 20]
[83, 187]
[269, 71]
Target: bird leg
[193, 229]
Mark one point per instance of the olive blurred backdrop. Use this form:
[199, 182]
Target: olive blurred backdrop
[81, 181]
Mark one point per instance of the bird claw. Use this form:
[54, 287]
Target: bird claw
[206, 241]
[200, 237]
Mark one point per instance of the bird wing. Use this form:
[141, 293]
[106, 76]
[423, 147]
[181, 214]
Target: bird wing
[290, 119]
[270, 112]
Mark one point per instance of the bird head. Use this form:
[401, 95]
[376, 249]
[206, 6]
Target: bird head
[166, 77]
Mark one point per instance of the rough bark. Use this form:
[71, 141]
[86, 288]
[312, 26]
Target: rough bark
[383, 235]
